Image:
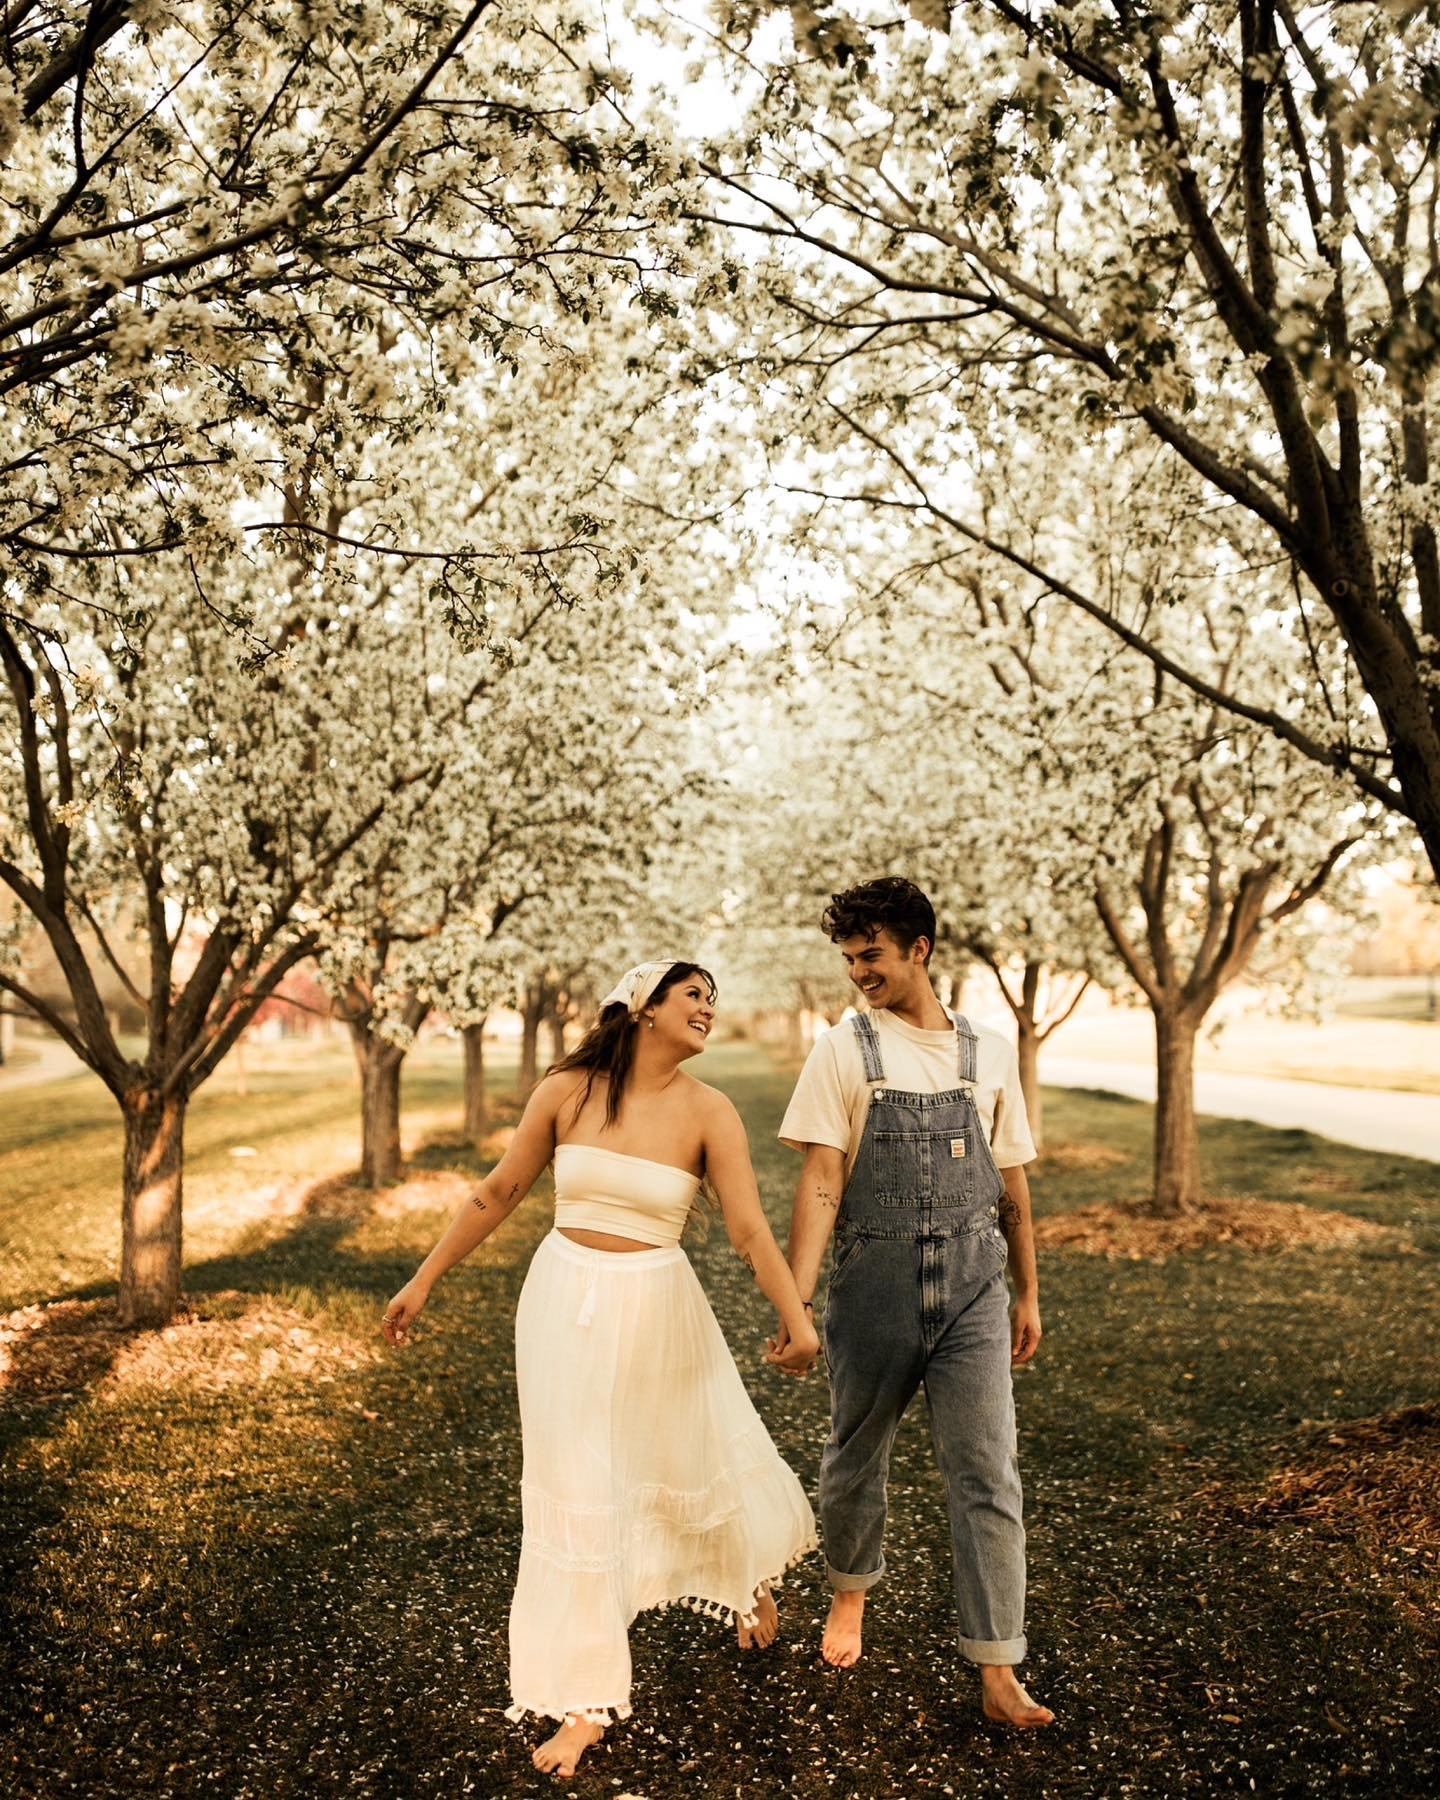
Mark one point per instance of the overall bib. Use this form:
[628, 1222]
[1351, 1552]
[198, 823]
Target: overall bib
[917, 1295]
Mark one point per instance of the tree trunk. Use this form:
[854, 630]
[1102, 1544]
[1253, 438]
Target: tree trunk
[557, 1037]
[1344, 571]
[1027, 1048]
[473, 1037]
[380, 1113]
[1177, 1143]
[150, 1211]
[531, 1014]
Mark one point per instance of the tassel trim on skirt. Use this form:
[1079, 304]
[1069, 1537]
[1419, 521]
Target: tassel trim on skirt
[650, 1480]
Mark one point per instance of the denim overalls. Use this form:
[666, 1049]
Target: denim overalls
[917, 1294]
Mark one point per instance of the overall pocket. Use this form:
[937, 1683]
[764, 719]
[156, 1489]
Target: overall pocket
[897, 1167]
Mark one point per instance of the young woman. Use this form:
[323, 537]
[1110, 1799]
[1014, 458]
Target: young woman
[648, 1476]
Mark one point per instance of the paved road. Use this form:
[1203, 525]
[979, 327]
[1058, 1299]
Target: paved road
[46, 1059]
[1371, 1118]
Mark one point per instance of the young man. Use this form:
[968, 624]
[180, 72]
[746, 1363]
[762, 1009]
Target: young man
[915, 1138]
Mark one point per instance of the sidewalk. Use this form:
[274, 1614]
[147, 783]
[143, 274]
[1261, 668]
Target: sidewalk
[1370, 1118]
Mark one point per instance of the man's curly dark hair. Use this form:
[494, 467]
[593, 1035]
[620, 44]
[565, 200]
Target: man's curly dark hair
[889, 903]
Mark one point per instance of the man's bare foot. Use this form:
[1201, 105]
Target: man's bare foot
[766, 1628]
[1007, 1703]
[841, 1644]
[560, 1755]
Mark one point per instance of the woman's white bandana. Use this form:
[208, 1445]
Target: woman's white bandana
[636, 985]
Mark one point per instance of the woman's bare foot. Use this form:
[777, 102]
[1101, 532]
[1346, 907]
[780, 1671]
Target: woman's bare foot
[560, 1755]
[766, 1628]
[841, 1644]
[1007, 1703]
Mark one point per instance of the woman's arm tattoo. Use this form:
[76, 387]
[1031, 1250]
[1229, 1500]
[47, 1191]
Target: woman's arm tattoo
[506, 1205]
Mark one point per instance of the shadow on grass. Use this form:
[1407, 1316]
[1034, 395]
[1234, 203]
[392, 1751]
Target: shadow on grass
[65, 1347]
[69, 1342]
[271, 1553]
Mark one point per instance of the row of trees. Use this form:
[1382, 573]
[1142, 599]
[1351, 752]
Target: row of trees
[376, 496]
[377, 799]
[1075, 817]
[1092, 350]
[329, 629]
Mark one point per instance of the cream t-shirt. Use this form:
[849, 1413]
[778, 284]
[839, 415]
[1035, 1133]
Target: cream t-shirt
[832, 1096]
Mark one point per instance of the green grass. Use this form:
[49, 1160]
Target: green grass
[298, 1585]
[60, 1158]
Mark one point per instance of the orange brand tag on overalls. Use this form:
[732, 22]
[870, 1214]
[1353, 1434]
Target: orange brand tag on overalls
[957, 1146]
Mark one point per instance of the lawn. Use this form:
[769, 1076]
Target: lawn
[255, 1557]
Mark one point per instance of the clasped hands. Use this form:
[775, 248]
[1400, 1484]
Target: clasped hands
[793, 1356]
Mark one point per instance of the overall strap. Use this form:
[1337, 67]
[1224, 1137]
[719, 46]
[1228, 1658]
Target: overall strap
[969, 1047]
[869, 1041]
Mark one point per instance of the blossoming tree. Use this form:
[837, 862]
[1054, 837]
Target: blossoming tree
[1064, 803]
[1202, 232]
[546, 786]
[237, 799]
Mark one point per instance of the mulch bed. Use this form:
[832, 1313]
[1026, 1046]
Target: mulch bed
[1374, 1482]
[220, 1341]
[1124, 1229]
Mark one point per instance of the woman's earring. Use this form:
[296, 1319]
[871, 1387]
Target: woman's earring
[650, 1023]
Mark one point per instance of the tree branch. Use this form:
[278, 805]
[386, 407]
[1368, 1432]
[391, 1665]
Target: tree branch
[1331, 758]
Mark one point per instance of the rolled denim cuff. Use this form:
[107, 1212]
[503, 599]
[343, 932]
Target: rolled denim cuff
[853, 1584]
[1002, 1653]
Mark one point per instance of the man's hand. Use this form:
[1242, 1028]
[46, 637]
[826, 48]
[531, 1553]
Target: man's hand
[1025, 1331]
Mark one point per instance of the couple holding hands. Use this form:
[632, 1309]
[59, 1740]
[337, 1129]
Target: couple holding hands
[649, 1478]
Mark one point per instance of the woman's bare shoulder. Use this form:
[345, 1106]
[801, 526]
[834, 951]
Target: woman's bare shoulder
[551, 1092]
[713, 1106]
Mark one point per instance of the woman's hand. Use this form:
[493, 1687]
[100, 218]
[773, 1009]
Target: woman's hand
[403, 1311]
[793, 1355]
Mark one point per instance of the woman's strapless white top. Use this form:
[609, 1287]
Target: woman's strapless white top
[628, 1196]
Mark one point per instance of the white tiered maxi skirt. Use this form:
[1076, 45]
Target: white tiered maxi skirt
[648, 1479]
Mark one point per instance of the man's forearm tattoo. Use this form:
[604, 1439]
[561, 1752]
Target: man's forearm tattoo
[826, 1198]
[1009, 1214]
